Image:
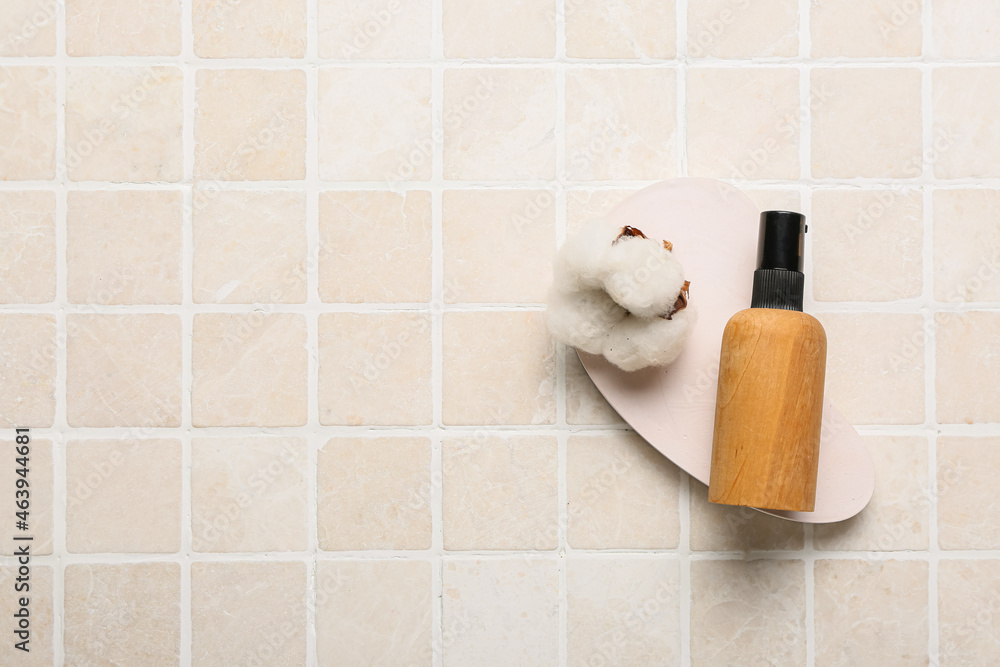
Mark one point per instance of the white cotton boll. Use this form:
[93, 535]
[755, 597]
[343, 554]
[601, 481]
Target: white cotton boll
[582, 319]
[642, 276]
[580, 262]
[640, 342]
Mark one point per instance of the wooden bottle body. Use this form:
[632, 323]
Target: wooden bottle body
[769, 410]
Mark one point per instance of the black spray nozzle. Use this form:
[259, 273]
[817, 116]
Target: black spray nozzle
[779, 245]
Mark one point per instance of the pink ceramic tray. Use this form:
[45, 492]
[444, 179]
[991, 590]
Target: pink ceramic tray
[713, 227]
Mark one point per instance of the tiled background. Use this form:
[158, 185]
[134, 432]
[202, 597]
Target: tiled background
[273, 274]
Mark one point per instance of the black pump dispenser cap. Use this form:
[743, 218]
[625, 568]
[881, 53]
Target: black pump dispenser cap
[778, 281]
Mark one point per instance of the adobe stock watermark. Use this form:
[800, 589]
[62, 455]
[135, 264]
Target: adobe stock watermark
[43, 15]
[369, 30]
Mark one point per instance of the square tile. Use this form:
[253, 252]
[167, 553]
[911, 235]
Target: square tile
[375, 369]
[875, 366]
[124, 124]
[500, 492]
[374, 612]
[259, 29]
[610, 132]
[122, 614]
[966, 245]
[968, 606]
[250, 125]
[485, 29]
[965, 141]
[748, 612]
[743, 29]
[493, 114]
[776, 200]
[375, 246]
[898, 516]
[867, 244]
[867, 29]
[374, 493]
[724, 528]
[628, 29]
[28, 123]
[248, 613]
[849, 140]
[249, 369]
[968, 496]
[585, 404]
[968, 363]
[498, 245]
[28, 28]
[965, 29]
[124, 246]
[582, 206]
[39, 645]
[375, 30]
[743, 123]
[248, 494]
[27, 370]
[500, 612]
[621, 494]
[624, 611]
[27, 246]
[123, 496]
[498, 368]
[116, 28]
[123, 370]
[871, 612]
[375, 124]
[250, 247]
[41, 484]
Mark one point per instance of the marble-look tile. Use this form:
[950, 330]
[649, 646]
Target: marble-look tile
[743, 123]
[28, 28]
[898, 516]
[123, 370]
[625, 29]
[968, 495]
[124, 246]
[250, 247]
[965, 29]
[373, 612]
[119, 28]
[968, 364]
[249, 369]
[249, 613]
[123, 496]
[40, 607]
[621, 494]
[743, 28]
[250, 125]
[584, 402]
[748, 612]
[866, 122]
[374, 493]
[497, 368]
[493, 114]
[41, 480]
[776, 200]
[612, 131]
[502, 612]
[27, 370]
[623, 611]
[500, 492]
[724, 528]
[124, 124]
[865, 29]
[28, 123]
[498, 245]
[375, 124]
[966, 245]
[582, 206]
[375, 246]
[122, 614]
[27, 246]
[248, 494]
[486, 29]
[969, 612]
[875, 366]
[966, 144]
[871, 612]
[375, 29]
[258, 29]
[867, 244]
[375, 369]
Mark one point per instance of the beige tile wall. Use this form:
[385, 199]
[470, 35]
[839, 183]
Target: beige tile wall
[272, 275]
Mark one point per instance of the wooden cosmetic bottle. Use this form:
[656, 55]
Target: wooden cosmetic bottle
[769, 407]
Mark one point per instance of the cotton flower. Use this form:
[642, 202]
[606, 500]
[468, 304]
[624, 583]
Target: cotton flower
[619, 293]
